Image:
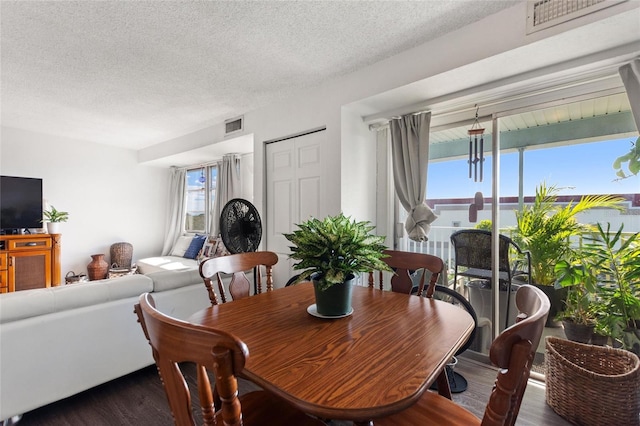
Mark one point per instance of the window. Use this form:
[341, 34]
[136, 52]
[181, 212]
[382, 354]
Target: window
[200, 195]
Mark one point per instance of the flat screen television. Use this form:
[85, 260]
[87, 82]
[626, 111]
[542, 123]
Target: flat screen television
[20, 203]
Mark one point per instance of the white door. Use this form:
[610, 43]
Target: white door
[294, 193]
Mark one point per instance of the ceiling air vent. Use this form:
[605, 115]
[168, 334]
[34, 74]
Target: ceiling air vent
[233, 125]
[543, 14]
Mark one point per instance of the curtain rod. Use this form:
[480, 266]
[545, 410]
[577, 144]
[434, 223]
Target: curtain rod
[459, 123]
[208, 163]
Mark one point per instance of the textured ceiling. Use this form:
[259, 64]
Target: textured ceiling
[134, 73]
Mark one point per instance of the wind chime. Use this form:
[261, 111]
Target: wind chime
[476, 149]
[476, 160]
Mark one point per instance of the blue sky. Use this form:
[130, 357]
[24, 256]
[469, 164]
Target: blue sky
[582, 169]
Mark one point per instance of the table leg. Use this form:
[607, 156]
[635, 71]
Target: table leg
[443, 384]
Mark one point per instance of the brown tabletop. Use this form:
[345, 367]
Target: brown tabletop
[372, 363]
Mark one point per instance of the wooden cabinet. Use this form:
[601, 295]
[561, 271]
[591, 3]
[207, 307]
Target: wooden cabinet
[29, 261]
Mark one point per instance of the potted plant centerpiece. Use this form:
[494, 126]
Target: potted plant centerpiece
[53, 218]
[330, 252]
[548, 231]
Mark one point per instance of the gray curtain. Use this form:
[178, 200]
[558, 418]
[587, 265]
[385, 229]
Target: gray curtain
[630, 74]
[410, 153]
[175, 218]
[228, 187]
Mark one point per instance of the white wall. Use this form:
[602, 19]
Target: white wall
[109, 197]
[358, 168]
[246, 175]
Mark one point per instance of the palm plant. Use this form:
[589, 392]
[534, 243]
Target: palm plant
[545, 229]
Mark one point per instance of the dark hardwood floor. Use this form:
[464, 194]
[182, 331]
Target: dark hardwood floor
[138, 399]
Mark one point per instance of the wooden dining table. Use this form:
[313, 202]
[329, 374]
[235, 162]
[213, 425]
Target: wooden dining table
[375, 362]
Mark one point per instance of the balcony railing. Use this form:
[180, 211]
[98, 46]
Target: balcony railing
[439, 244]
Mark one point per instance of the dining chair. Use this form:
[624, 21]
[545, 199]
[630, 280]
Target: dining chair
[405, 264]
[512, 352]
[175, 342]
[237, 266]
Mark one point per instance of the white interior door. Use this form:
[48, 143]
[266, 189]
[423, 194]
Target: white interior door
[294, 192]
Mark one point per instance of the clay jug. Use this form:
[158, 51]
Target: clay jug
[98, 268]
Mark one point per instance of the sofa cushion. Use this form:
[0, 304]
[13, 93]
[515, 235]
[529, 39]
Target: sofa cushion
[195, 247]
[167, 280]
[42, 301]
[165, 263]
[181, 245]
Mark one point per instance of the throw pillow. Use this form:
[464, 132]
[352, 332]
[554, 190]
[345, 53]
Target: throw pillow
[196, 245]
[181, 246]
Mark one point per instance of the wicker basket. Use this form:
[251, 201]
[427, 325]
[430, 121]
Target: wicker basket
[592, 385]
[121, 254]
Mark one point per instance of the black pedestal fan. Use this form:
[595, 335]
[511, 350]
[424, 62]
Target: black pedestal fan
[241, 228]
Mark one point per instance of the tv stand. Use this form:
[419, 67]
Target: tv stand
[29, 261]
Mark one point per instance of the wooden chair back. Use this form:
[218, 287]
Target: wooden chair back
[404, 264]
[175, 342]
[513, 352]
[237, 266]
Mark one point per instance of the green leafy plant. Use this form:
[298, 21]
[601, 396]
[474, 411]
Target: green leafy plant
[614, 259]
[632, 157]
[545, 229]
[484, 224]
[53, 215]
[334, 248]
[580, 305]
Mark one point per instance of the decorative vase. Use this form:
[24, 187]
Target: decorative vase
[98, 268]
[121, 254]
[336, 300]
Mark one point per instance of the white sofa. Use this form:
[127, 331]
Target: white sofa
[59, 341]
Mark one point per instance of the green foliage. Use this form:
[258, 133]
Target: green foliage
[545, 229]
[632, 157]
[335, 247]
[485, 225]
[53, 215]
[615, 262]
[580, 304]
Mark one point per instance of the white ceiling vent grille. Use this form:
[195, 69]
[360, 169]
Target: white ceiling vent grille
[233, 125]
[543, 14]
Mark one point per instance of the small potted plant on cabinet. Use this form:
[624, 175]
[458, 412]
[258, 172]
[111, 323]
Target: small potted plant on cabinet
[330, 252]
[53, 218]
